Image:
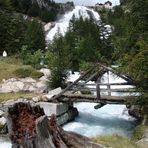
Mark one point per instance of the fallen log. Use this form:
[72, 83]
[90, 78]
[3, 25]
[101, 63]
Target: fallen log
[29, 127]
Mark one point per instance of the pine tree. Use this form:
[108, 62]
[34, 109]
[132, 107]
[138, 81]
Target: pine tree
[34, 37]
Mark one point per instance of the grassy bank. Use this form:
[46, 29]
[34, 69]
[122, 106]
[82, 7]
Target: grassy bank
[12, 67]
[15, 96]
[115, 141]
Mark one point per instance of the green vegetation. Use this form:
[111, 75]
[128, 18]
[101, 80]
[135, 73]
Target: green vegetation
[12, 67]
[15, 96]
[46, 12]
[27, 72]
[130, 39]
[115, 141]
[138, 132]
[78, 49]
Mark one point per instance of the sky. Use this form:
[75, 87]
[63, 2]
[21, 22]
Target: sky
[88, 2]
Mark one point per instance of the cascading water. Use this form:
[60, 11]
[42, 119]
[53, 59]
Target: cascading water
[110, 119]
[61, 26]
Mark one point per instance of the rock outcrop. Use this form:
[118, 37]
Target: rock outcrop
[29, 127]
[26, 84]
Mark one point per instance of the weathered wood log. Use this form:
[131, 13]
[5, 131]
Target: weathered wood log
[29, 128]
[92, 98]
[126, 78]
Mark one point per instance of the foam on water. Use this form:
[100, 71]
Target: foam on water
[110, 119]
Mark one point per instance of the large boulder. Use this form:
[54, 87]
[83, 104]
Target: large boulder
[135, 111]
[53, 108]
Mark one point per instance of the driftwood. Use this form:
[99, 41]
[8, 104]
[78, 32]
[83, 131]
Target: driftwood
[29, 127]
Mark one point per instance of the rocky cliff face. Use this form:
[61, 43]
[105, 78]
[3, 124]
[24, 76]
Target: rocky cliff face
[41, 3]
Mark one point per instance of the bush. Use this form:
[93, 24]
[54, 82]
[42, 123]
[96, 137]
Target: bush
[27, 72]
[58, 78]
[32, 59]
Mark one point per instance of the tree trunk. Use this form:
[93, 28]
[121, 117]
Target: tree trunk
[29, 127]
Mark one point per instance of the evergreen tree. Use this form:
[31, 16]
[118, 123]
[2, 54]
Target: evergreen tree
[34, 37]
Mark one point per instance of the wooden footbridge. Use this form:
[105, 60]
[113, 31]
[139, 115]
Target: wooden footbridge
[95, 73]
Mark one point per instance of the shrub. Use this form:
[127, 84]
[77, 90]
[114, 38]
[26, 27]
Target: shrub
[27, 72]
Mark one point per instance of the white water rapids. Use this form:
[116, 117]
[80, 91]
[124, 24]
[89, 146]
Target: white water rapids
[110, 119]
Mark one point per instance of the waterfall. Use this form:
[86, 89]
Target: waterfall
[61, 26]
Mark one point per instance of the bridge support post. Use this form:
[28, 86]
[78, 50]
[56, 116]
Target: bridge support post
[108, 86]
[98, 88]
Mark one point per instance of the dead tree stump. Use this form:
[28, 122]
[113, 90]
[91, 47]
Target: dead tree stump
[29, 127]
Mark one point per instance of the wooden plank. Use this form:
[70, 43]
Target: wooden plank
[103, 97]
[105, 84]
[104, 90]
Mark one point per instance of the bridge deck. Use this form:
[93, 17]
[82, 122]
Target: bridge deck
[92, 98]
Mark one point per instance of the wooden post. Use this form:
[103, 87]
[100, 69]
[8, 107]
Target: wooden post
[98, 88]
[108, 86]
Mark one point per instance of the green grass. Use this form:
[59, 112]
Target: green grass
[9, 66]
[138, 132]
[115, 141]
[15, 96]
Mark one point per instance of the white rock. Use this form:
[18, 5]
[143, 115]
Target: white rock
[46, 72]
[36, 99]
[1, 113]
[44, 78]
[41, 86]
[53, 92]
[28, 80]
[3, 121]
[12, 86]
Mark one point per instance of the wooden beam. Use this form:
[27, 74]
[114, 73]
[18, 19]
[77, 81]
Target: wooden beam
[98, 88]
[71, 85]
[103, 97]
[92, 76]
[104, 90]
[118, 74]
[107, 84]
